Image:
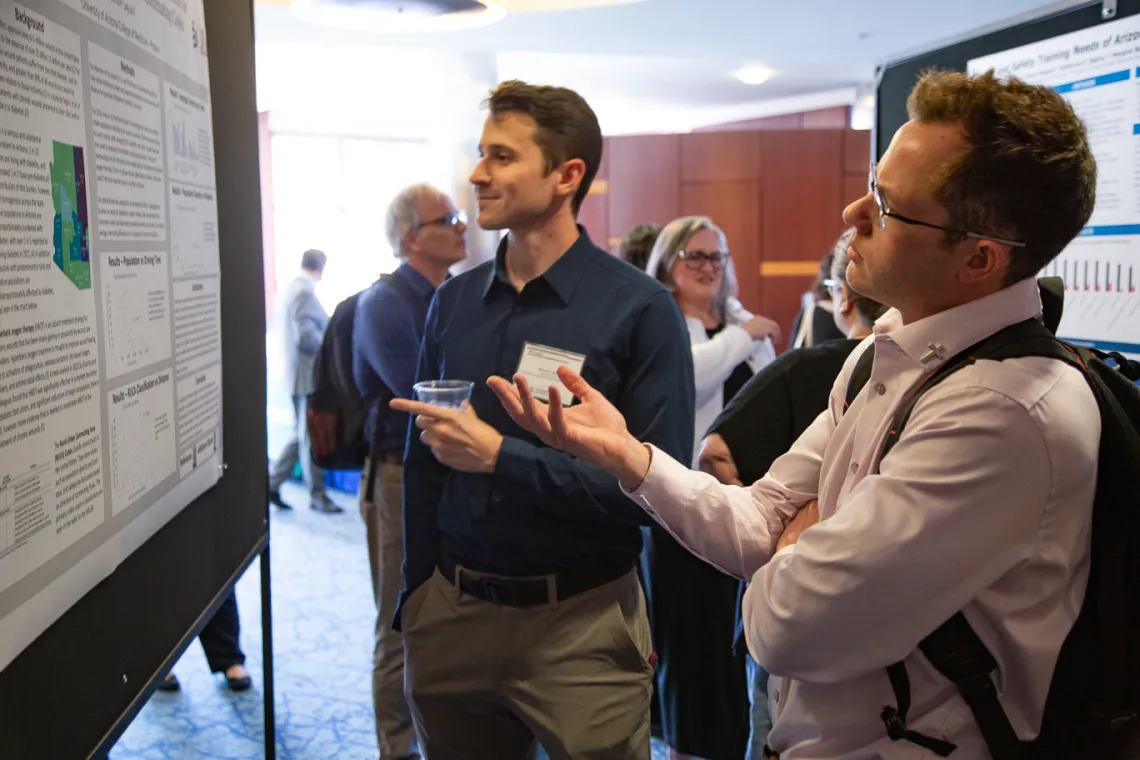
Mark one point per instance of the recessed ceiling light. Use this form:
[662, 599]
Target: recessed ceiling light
[753, 73]
[389, 17]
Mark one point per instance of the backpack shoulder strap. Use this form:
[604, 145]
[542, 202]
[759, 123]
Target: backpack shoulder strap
[895, 717]
[1028, 338]
[859, 376]
[954, 649]
[1013, 342]
[957, 653]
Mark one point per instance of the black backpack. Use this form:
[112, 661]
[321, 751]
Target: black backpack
[337, 413]
[1093, 708]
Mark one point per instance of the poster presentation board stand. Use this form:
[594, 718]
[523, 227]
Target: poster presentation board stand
[132, 368]
[1090, 54]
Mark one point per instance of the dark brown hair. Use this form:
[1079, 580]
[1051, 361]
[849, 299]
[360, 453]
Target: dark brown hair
[638, 244]
[1028, 173]
[567, 126]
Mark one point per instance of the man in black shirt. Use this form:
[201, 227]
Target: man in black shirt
[522, 614]
[762, 422]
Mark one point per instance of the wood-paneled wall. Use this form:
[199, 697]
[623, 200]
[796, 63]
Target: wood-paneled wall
[779, 195]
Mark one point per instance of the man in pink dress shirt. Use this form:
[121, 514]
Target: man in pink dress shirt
[983, 505]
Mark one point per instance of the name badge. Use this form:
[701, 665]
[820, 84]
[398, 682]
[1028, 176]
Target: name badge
[539, 365]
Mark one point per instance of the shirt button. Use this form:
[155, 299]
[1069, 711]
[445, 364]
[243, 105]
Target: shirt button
[880, 388]
[854, 467]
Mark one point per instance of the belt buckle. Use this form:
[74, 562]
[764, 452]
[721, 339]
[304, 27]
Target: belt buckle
[500, 593]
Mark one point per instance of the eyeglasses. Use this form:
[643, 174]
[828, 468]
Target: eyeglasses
[454, 219]
[694, 259]
[885, 211]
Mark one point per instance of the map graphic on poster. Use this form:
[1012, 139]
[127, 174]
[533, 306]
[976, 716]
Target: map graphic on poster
[69, 197]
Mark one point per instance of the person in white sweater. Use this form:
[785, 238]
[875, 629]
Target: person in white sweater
[692, 259]
[701, 686]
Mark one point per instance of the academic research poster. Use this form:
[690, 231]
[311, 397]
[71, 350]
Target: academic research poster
[1097, 70]
[110, 326]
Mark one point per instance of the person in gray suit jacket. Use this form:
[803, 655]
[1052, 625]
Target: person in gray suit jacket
[304, 322]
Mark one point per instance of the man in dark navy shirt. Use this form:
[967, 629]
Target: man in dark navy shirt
[523, 618]
[427, 234]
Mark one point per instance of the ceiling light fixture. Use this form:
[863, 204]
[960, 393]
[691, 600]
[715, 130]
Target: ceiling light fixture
[400, 16]
[753, 73]
[545, 6]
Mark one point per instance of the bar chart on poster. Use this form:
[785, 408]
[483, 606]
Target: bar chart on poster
[110, 358]
[1097, 70]
[191, 150]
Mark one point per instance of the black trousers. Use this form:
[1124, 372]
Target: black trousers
[702, 688]
[220, 637]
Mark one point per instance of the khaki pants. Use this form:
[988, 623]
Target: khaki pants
[384, 520]
[491, 682]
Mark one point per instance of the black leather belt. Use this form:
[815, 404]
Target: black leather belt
[533, 591]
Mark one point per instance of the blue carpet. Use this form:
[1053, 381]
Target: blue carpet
[323, 615]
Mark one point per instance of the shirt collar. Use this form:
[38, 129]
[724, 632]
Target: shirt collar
[563, 276]
[420, 285]
[931, 341]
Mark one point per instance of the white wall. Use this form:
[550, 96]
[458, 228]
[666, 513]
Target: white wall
[410, 101]
[429, 101]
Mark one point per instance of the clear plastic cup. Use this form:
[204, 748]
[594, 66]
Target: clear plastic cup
[450, 394]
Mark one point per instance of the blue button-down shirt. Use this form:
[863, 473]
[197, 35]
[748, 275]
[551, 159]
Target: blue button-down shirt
[386, 335]
[542, 511]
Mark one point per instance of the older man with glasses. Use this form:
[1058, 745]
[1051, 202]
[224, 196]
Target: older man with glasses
[427, 233]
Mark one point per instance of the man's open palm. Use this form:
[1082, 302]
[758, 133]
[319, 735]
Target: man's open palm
[592, 430]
